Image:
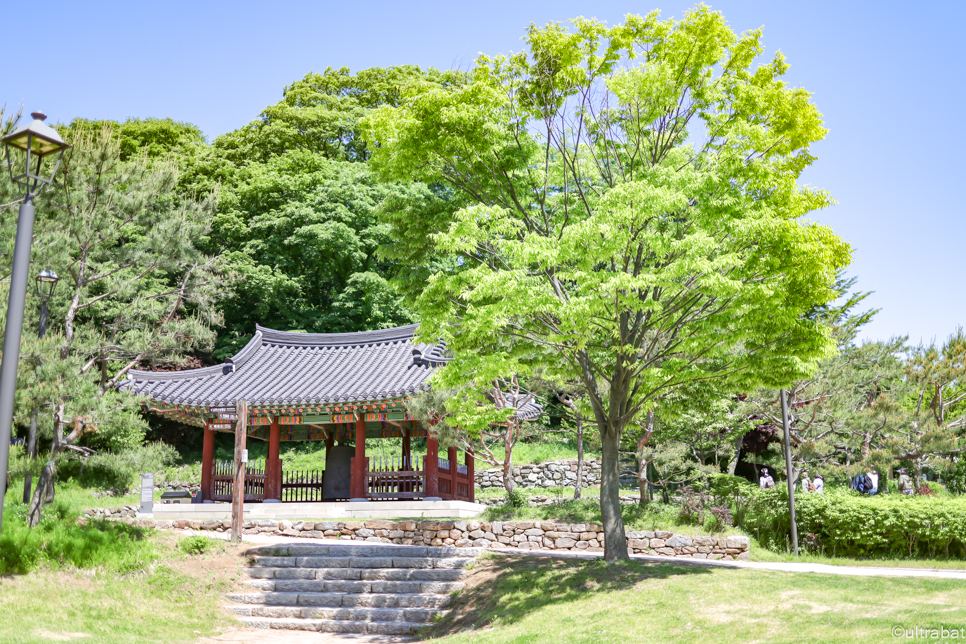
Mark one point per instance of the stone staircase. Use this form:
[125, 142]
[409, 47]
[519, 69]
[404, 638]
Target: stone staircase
[345, 588]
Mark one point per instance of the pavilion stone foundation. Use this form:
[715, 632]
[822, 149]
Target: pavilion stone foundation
[522, 535]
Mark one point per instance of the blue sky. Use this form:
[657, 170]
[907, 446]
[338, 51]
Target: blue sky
[889, 78]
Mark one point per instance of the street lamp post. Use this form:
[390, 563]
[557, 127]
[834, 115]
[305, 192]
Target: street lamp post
[36, 141]
[46, 281]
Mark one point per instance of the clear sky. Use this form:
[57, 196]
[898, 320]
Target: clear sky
[888, 76]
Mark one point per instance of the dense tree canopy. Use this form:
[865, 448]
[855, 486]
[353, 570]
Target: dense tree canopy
[633, 217]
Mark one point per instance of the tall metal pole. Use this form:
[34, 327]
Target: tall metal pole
[788, 471]
[32, 437]
[11, 336]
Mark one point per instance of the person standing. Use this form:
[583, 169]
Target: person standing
[806, 483]
[766, 482]
[905, 483]
[818, 485]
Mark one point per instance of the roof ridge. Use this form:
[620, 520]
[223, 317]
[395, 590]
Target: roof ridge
[337, 339]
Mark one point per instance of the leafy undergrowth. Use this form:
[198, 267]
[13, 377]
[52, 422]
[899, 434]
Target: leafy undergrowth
[517, 598]
[62, 541]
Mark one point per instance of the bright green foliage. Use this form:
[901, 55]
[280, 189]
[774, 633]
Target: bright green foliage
[58, 541]
[320, 114]
[297, 219]
[634, 217]
[841, 523]
[153, 138]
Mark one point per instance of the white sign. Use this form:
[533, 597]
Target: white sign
[244, 456]
[219, 425]
[228, 416]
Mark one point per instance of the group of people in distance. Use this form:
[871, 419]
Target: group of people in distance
[867, 483]
[767, 482]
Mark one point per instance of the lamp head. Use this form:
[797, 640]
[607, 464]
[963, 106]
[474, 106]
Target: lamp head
[36, 140]
[46, 281]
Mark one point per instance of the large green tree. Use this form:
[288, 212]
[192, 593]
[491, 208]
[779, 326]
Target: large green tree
[634, 218]
[297, 220]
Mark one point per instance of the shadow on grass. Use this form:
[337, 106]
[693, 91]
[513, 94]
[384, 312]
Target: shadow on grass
[61, 540]
[507, 587]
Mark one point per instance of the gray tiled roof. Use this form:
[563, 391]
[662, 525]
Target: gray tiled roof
[283, 368]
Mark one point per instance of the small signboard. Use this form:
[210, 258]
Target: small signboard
[225, 416]
[147, 492]
[222, 410]
[220, 426]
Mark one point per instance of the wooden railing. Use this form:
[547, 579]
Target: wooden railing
[305, 486]
[390, 477]
[454, 481]
[394, 477]
[223, 480]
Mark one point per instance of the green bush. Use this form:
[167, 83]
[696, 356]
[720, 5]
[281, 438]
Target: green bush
[119, 471]
[60, 541]
[517, 498]
[842, 523]
[197, 545]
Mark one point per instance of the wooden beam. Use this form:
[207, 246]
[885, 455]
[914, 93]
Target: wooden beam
[238, 489]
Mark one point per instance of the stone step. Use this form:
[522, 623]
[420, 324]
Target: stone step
[353, 586]
[375, 628]
[359, 562]
[412, 615]
[341, 599]
[370, 574]
[368, 550]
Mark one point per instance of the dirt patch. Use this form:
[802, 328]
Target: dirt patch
[222, 566]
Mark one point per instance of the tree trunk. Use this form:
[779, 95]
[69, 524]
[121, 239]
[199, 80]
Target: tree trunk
[615, 542]
[45, 490]
[580, 456]
[733, 465]
[508, 472]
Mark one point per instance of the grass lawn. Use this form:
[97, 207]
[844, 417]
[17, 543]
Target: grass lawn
[175, 599]
[522, 600]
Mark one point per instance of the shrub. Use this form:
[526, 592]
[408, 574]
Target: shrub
[717, 518]
[846, 524]
[122, 470]
[517, 498]
[197, 545]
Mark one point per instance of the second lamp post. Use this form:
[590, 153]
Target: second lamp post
[46, 281]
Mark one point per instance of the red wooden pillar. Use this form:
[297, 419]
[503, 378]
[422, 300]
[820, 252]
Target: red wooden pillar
[359, 470]
[208, 464]
[471, 474]
[451, 457]
[273, 465]
[432, 468]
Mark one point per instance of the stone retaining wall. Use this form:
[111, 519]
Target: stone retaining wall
[524, 535]
[550, 474]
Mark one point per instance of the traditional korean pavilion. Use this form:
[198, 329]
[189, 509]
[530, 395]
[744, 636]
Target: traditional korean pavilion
[339, 388]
